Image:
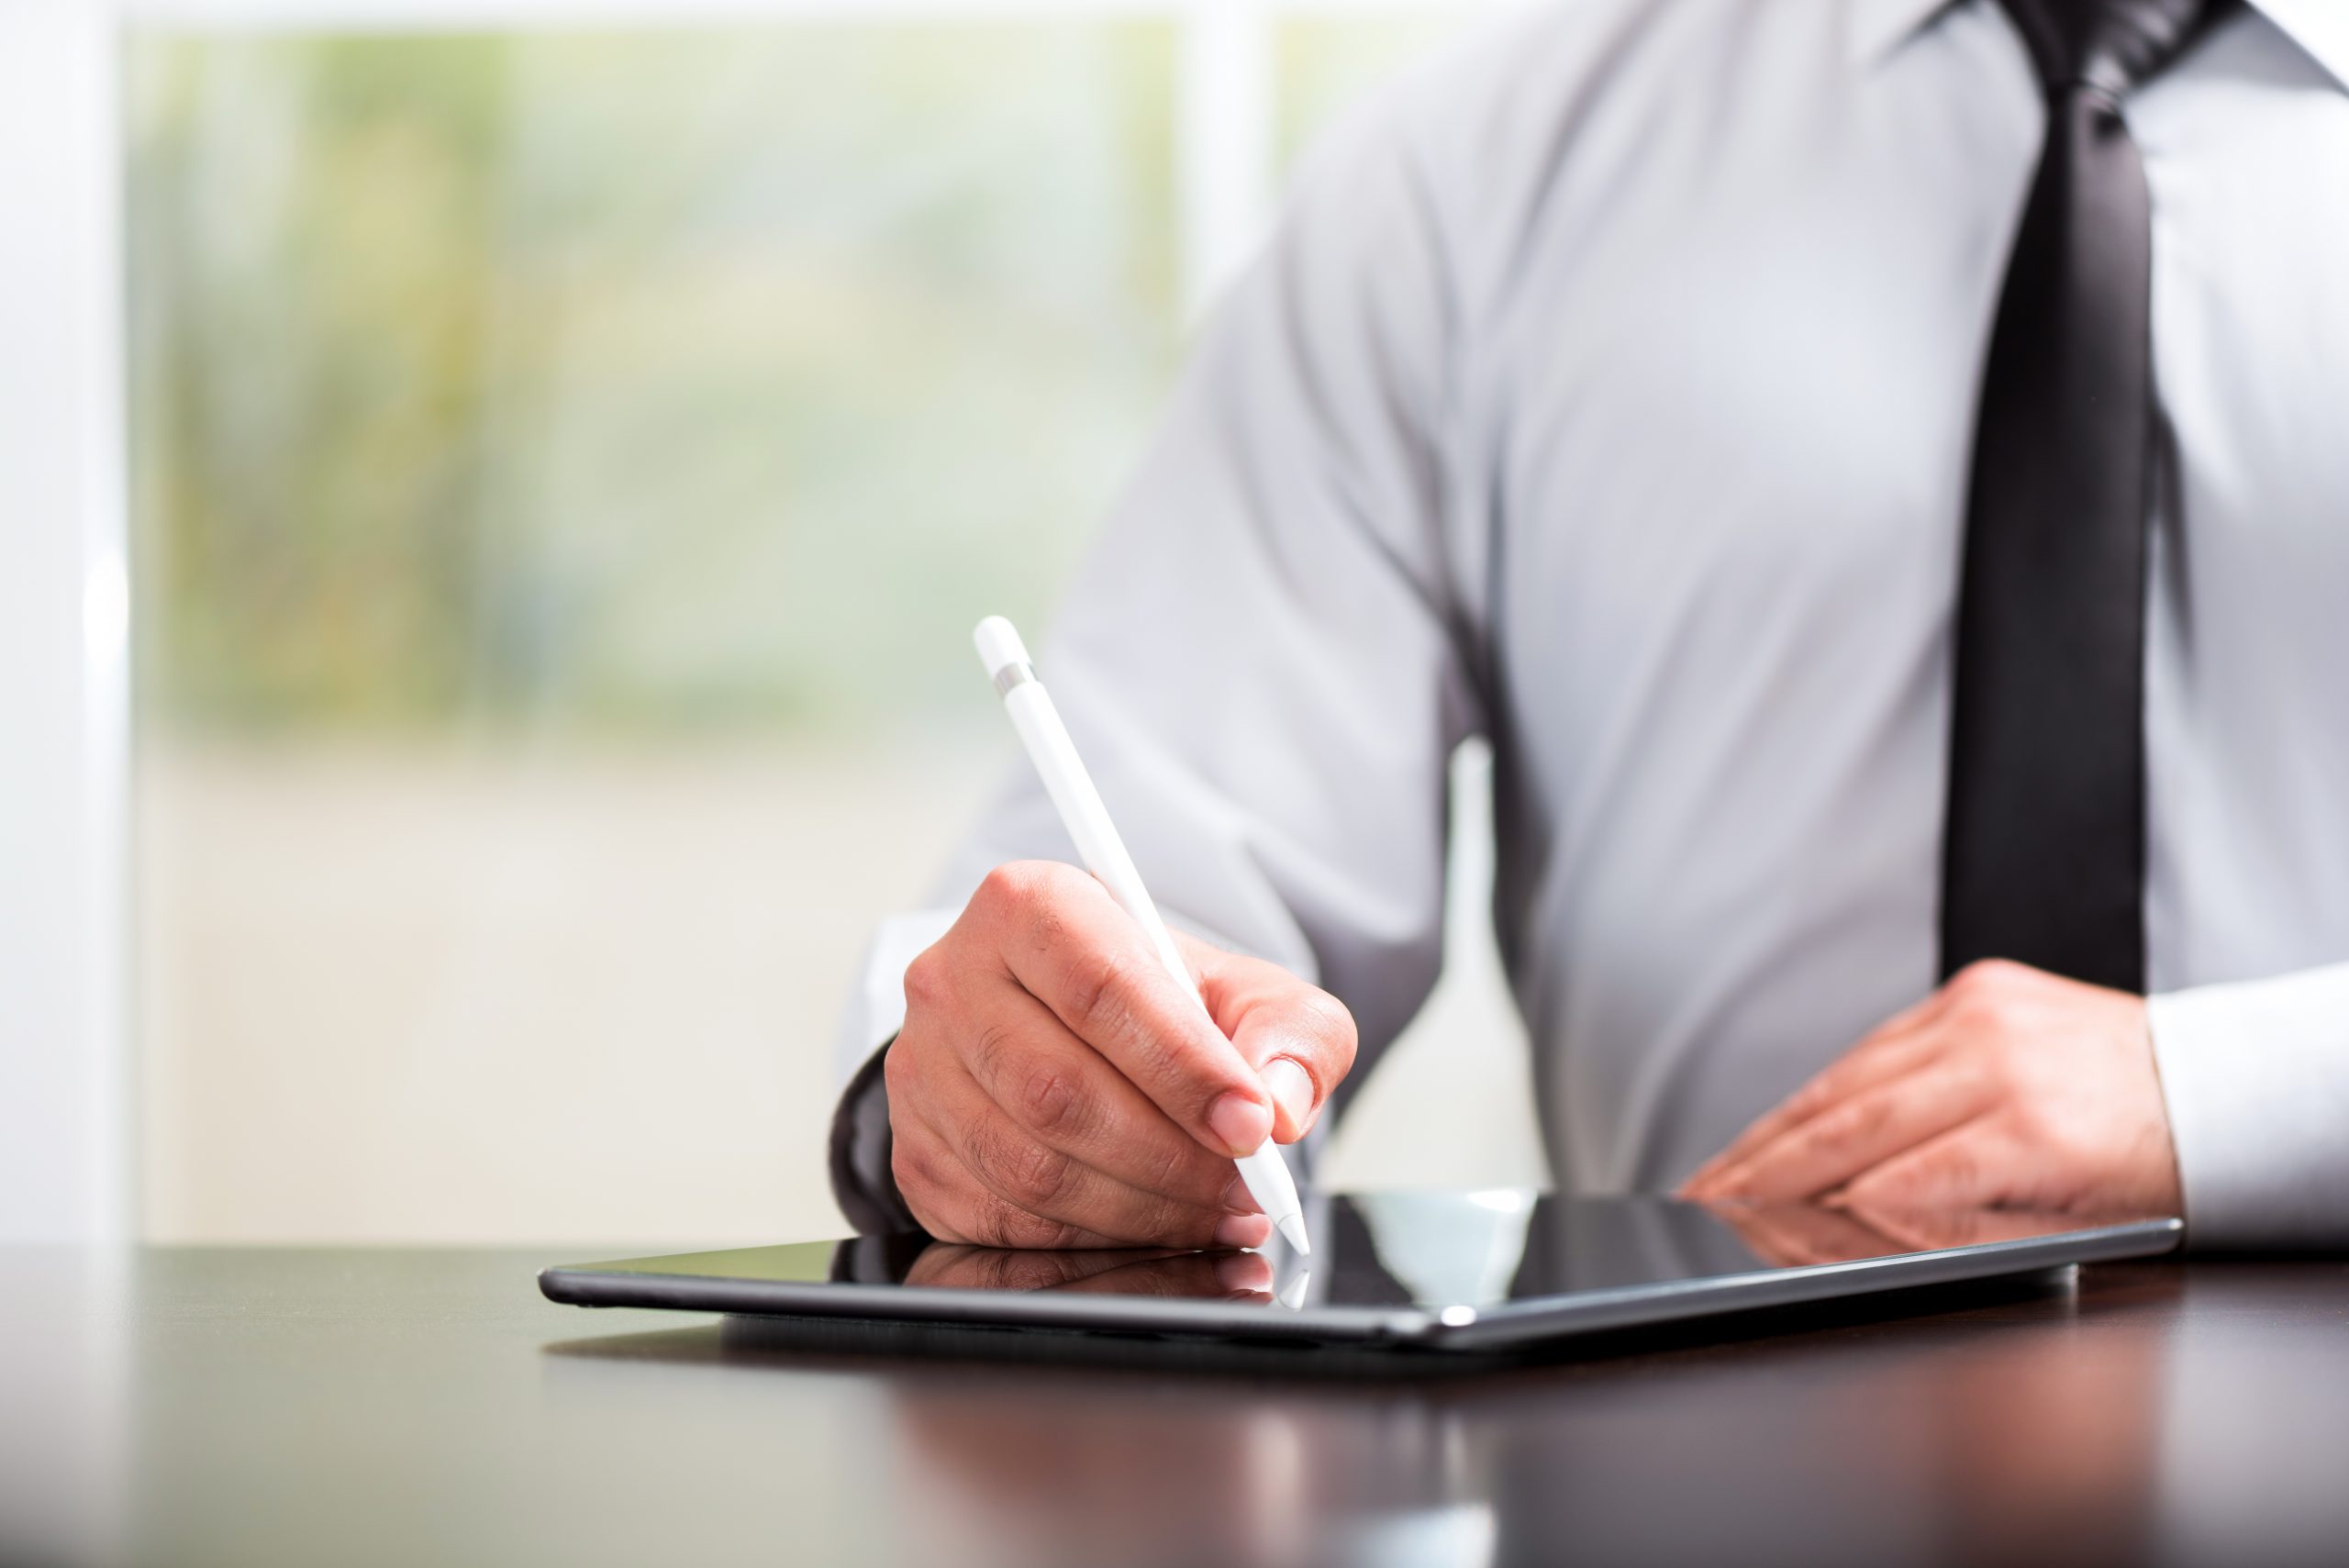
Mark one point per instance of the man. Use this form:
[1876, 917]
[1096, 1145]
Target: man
[1876, 471]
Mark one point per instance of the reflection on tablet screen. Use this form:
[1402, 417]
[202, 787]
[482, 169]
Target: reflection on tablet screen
[1478, 1250]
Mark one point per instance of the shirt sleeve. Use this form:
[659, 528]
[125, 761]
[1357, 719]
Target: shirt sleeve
[2255, 1075]
[1265, 660]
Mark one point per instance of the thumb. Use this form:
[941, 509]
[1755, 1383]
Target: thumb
[1298, 1038]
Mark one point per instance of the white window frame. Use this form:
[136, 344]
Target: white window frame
[64, 675]
[67, 1106]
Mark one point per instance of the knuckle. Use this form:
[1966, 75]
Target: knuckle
[1022, 889]
[1983, 1014]
[2050, 1129]
[1049, 1101]
[1027, 1173]
[1989, 976]
[1978, 1077]
[1040, 1177]
[991, 1050]
[1851, 1124]
[926, 977]
[1005, 888]
[1809, 1100]
[981, 1153]
[1333, 1023]
[1100, 997]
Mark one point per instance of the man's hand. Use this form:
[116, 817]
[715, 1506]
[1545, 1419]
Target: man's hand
[1054, 1086]
[2009, 1087]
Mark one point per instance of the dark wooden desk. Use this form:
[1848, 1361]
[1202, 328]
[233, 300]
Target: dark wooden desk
[296, 1407]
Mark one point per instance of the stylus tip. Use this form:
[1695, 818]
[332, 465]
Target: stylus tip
[1292, 1227]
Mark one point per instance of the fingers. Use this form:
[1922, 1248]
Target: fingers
[1968, 1166]
[953, 1206]
[1885, 1053]
[1054, 1086]
[971, 1174]
[1070, 946]
[1300, 1039]
[2011, 1087]
[1857, 1133]
[1068, 1097]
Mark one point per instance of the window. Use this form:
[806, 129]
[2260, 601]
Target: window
[565, 469]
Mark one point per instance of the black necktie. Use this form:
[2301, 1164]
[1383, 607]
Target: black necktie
[2043, 851]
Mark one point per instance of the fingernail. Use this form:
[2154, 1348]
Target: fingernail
[1243, 1272]
[1238, 1198]
[1291, 1086]
[1243, 1230]
[1243, 1124]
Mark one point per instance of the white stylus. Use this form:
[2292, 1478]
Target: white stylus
[1087, 821]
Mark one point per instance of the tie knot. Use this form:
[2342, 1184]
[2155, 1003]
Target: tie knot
[2106, 46]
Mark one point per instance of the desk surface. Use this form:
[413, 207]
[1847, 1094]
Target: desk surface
[303, 1407]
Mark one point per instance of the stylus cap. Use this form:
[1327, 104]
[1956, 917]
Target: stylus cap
[1000, 645]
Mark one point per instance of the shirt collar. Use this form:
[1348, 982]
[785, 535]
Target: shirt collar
[2318, 27]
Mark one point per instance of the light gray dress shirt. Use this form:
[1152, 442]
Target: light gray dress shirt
[1608, 390]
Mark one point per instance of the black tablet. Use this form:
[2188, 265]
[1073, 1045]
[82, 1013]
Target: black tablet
[1470, 1270]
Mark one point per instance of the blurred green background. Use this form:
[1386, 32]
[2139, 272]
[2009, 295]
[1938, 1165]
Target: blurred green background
[624, 382]
[566, 467]
[619, 383]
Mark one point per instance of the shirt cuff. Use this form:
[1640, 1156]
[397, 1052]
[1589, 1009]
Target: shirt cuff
[865, 1181]
[2255, 1075]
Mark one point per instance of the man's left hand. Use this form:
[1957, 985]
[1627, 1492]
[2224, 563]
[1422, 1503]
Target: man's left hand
[2008, 1087]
